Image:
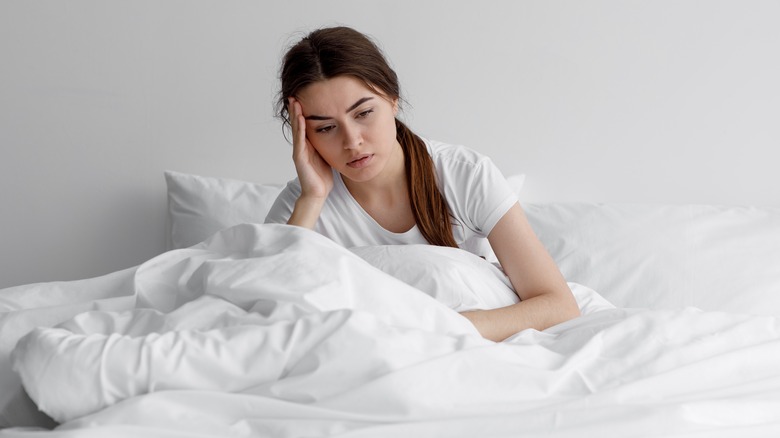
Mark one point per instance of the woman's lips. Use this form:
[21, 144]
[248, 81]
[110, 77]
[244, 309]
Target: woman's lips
[360, 161]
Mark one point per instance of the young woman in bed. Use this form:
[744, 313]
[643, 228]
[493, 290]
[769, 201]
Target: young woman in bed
[364, 178]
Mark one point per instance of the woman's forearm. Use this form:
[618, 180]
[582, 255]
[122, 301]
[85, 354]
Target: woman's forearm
[546, 299]
[540, 312]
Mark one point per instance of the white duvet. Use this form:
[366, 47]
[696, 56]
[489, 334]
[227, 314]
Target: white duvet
[270, 330]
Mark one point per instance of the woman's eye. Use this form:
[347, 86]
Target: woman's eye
[365, 113]
[324, 129]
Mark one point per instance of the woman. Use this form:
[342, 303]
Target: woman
[365, 179]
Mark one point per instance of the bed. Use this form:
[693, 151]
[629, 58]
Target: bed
[245, 329]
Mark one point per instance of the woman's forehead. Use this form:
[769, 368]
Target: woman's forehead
[333, 87]
[335, 94]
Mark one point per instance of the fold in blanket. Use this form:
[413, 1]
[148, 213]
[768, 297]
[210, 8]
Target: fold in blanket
[269, 330]
[254, 306]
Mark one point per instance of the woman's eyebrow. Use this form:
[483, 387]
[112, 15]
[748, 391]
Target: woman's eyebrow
[352, 107]
[358, 103]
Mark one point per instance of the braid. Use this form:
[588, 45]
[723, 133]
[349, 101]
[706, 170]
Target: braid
[428, 204]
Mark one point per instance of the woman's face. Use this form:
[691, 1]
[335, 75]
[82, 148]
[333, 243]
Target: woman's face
[351, 126]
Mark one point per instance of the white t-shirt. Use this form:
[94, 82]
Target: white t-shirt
[476, 192]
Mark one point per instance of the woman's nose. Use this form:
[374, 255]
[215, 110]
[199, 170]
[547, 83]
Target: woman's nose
[352, 137]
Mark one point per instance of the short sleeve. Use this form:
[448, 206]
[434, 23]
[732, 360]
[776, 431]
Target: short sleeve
[475, 189]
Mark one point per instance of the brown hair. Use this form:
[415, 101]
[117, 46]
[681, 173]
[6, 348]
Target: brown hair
[342, 51]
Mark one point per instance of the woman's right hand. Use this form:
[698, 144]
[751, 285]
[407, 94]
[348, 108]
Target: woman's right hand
[314, 173]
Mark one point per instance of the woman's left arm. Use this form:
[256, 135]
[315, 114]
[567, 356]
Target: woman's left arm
[545, 297]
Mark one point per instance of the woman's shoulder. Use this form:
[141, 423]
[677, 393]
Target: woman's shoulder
[453, 154]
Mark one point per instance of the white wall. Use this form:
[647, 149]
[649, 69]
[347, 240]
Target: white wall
[614, 101]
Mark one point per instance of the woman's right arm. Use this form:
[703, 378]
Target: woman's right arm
[306, 212]
[314, 174]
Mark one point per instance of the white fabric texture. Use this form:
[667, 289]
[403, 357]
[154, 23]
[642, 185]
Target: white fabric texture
[477, 193]
[25, 307]
[459, 279]
[199, 206]
[271, 330]
[667, 256]
[251, 286]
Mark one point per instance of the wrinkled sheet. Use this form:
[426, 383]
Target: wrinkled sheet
[269, 330]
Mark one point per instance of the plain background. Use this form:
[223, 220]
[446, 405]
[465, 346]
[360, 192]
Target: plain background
[601, 101]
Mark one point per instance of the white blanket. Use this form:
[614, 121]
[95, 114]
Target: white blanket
[270, 330]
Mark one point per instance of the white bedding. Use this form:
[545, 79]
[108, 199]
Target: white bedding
[712, 257]
[269, 330]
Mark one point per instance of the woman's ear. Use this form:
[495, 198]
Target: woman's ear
[395, 107]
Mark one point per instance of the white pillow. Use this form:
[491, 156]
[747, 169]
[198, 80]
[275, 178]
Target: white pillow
[199, 206]
[667, 256]
[457, 278]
